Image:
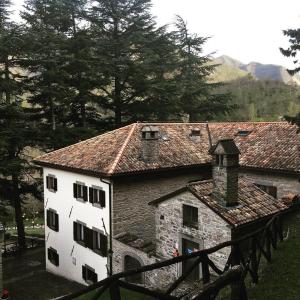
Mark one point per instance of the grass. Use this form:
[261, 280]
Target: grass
[280, 279]
[125, 294]
[37, 232]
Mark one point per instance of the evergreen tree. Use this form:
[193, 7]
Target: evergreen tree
[16, 130]
[133, 55]
[293, 51]
[197, 98]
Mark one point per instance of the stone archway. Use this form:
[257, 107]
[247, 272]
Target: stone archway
[132, 263]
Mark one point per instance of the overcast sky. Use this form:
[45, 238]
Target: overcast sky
[247, 30]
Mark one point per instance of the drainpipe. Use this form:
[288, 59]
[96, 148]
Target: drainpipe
[110, 252]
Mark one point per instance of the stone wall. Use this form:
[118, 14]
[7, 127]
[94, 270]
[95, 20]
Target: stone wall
[157, 279]
[212, 229]
[131, 212]
[285, 183]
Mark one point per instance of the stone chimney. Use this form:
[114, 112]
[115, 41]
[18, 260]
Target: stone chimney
[225, 172]
[150, 143]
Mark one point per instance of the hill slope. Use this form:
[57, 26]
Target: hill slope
[231, 69]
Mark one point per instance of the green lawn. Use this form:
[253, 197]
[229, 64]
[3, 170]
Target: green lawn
[280, 279]
[37, 232]
[126, 295]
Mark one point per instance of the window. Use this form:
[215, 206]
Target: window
[52, 220]
[269, 189]
[190, 216]
[53, 257]
[80, 191]
[80, 233]
[51, 183]
[97, 196]
[99, 243]
[89, 275]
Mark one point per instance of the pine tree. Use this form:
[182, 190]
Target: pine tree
[16, 130]
[292, 52]
[197, 98]
[133, 54]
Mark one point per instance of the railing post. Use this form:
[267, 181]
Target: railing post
[235, 261]
[268, 244]
[254, 262]
[205, 270]
[114, 291]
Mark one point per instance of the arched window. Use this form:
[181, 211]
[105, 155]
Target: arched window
[131, 263]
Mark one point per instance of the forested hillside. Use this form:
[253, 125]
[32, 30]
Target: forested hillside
[261, 100]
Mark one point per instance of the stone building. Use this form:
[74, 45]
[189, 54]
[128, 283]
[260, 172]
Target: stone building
[198, 216]
[113, 176]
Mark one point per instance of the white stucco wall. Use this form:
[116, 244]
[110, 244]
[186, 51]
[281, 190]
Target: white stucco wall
[72, 255]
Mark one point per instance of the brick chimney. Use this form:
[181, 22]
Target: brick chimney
[225, 171]
[150, 143]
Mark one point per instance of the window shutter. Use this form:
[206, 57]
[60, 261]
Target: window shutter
[88, 237]
[47, 182]
[103, 244]
[85, 196]
[75, 231]
[84, 272]
[102, 198]
[91, 195]
[75, 190]
[48, 218]
[56, 222]
[49, 255]
[94, 277]
[55, 184]
[56, 259]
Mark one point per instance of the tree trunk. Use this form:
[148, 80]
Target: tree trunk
[18, 213]
[83, 114]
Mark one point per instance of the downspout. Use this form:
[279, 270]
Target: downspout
[110, 252]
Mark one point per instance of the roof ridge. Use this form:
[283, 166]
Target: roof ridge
[119, 155]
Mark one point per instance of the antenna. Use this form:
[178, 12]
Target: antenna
[208, 132]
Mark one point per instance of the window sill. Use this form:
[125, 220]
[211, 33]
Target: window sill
[53, 263]
[191, 226]
[81, 244]
[52, 190]
[99, 252]
[81, 200]
[98, 205]
[52, 228]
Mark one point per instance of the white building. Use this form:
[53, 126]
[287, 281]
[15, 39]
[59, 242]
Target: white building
[99, 189]
[77, 212]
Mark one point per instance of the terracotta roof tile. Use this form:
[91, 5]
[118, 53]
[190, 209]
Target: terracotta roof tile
[251, 207]
[268, 145]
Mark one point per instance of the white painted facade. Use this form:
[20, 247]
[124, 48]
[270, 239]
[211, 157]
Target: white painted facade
[72, 256]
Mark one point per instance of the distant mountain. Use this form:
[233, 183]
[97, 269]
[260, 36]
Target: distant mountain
[231, 69]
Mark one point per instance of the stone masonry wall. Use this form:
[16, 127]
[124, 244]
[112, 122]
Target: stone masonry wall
[285, 184]
[157, 279]
[212, 229]
[131, 212]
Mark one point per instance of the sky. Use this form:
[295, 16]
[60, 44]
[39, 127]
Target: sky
[247, 30]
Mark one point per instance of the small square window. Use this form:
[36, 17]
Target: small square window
[89, 275]
[97, 196]
[190, 216]
[80, 191]
[51, 183]
[53, 256]
[79, 233]
[52, 220]
[100, 243]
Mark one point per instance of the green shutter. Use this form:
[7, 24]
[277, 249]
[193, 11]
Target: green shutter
[103, 244]
[75, 231]
[56, 222]
[84, 272]
[55, 184]
[85, 193]
[75, 190]
[102, 198]
[48, 218]
[91, 195]
[47, 182]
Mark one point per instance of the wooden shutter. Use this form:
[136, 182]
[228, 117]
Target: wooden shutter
[49, 255]
[56, 259]
[85, 193]
[91, 195]
[47, 182]
[94, 277]
[88, 237]
[75, 190]
[102, 198]
[56, 222]
[75, 231]
[84, 272]
[55, 184]
[103, 244]
[48, 218]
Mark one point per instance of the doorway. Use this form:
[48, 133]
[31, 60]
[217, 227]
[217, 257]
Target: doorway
[187, 248]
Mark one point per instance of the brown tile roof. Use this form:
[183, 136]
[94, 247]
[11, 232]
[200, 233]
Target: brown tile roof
[254, 203]
[269, 145]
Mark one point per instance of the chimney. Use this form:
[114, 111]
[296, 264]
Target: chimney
[225, 172]
[150, 143]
